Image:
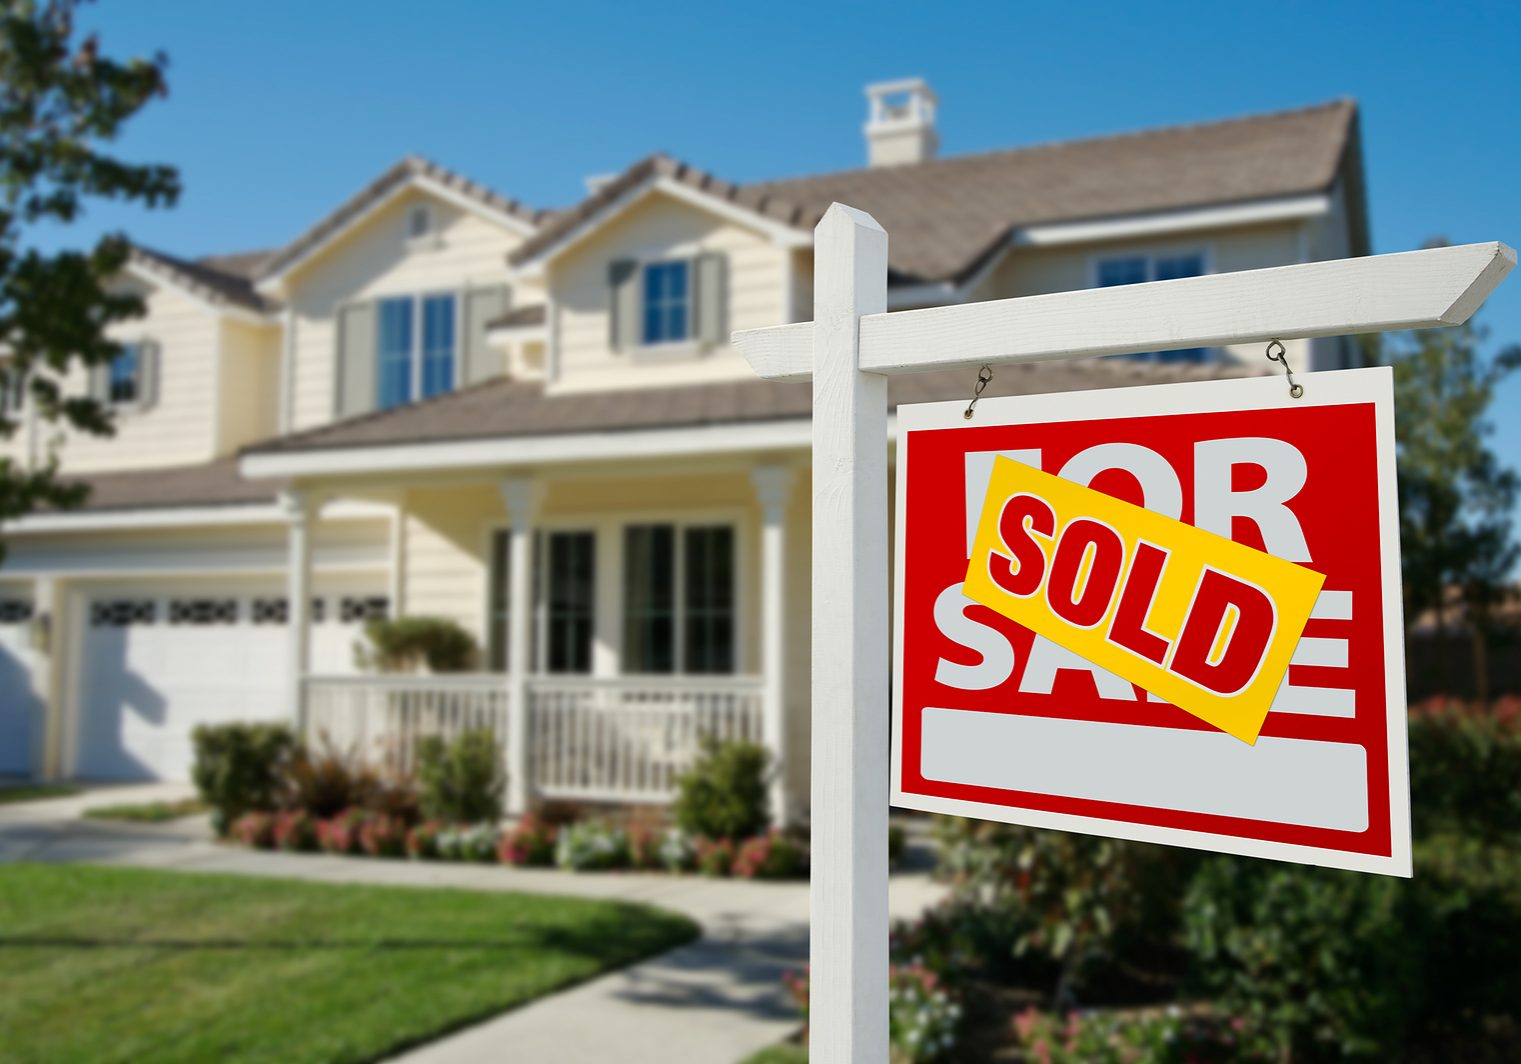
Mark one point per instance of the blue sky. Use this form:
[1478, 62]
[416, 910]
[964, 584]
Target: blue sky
[279, 110]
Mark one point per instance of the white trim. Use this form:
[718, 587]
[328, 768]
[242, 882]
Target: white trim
[1160, 223]
[785, 235]
[161, 279]
[550, 448]
[287, 397]
[506, 335]
[275, 282]
[1150, 252]
[183, 516]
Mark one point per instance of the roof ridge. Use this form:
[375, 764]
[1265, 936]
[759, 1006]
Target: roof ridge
[1348, 102]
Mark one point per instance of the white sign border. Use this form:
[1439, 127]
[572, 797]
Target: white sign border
[1326, 388]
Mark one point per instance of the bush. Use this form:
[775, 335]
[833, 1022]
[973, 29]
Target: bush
[676, 852]
[531, 842]
[422, 840]
[405, 643]
[256, 829]
[1465, 770]
[295, 830]
[771, 856]
[714, 857]
[724, 794]
[381, 835]
[1158, 1037]
[644, 842]
[469, 842]
[591, 846]
[325, 782]
[238, 767]
[461, 781]
[340, 834]
[923, 1015]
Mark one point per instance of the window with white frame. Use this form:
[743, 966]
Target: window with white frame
[1140, 268]
[667, 302]
[416, 348]
[124, 376]
[679, 599]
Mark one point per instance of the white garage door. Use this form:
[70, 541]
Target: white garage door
[154, 665]
[18, 706]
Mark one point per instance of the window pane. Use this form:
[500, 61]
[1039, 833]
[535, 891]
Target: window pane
[666, 302]
[709, 595]
[394, 358]
[500, 574]
[438, 345]
[1172, 267]
[1128, 270]
[123, 375]
[571, 597]
[649, 598]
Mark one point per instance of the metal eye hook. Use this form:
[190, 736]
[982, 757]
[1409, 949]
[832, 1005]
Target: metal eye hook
[984, 375]
[1281, 357]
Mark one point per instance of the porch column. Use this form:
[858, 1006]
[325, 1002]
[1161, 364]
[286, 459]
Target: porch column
[522, 495]
[773, 486]
[299, 509]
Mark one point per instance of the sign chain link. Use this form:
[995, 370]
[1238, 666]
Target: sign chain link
[984, 375]
[1280, 356]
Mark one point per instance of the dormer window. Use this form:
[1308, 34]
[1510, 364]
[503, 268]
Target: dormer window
[123, 376]
[667, 302]
[128, 381]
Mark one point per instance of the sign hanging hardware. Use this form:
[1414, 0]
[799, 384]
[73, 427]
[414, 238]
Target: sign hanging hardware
[1296, 390]
[984, 375]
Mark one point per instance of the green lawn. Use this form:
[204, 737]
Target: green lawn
[31, 792]
[102, 964]
[148, 812]
[782, 1054]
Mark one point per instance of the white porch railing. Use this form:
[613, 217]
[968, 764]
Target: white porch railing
[380, 718]
[623, 739]
[629, 738]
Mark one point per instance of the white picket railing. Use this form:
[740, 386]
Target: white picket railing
[380, 718]
[629, 738]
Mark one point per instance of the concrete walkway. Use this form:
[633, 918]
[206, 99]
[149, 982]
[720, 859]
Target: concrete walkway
[714, 1001]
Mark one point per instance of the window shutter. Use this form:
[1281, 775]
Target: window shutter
[708, 302]
[482, 305]
[98, 383]
[147, 373]
[356, 357]
[623, 287]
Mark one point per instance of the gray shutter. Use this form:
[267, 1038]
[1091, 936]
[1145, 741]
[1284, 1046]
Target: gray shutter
[482, 305]
[98, 384]
[709, 299]
[147, 373]
[357, 355]
[623, 288]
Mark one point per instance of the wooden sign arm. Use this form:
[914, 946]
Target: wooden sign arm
[1377, 293]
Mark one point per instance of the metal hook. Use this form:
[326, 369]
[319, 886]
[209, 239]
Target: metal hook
[984, 375]
[1295, 390]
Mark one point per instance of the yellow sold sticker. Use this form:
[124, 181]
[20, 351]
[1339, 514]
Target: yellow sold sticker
[1198, 620]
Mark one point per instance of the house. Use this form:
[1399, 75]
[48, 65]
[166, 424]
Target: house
[438, 401]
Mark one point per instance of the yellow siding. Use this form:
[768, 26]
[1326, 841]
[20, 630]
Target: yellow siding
[375, 261]
[445, 553]
[659, 227]
[250, 384]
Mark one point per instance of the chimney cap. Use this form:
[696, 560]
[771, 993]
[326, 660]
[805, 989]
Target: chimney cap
[910, 86]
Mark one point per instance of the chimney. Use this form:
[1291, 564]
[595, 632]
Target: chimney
[900, 127]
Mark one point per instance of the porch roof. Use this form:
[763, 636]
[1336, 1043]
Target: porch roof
[503, 409]
[215, 483]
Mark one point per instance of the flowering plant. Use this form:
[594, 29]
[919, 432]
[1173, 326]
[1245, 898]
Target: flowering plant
[923, 1015]
[676, 851]
[1173, 1036]
[381, 835]
[422, 840]
[644, 843]
[294, 829]
[530, 842]
[591, 845]
[770, 856]
[340, 834]
[715, 857]
[256, 830]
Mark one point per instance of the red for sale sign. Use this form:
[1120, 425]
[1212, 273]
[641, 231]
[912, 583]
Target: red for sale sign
[1290, 502]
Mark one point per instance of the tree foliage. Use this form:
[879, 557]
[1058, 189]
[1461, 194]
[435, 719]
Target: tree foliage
[61, 104]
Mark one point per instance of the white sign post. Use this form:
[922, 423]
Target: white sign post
[848, 351]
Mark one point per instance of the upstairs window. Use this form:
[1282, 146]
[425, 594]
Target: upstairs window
[667, 302]
[1138, 269]
[416, 344]
[123, 376]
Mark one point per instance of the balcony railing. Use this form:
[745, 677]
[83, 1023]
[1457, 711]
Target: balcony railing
[624, 739]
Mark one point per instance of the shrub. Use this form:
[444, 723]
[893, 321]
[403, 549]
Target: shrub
[1465, 770]
[403, 644]
[714, 857]
[479, 843]
[676, 852]
[295, 830]
[238, 767]
[461, 781]
[340, 834]
[771, 856]
[897, 843]
[724, 793]
[256, 829]
[422, 840]
[381, 835]
[923, 1015]
[327, 781]
[529, 842]
[591, 846]
[1159, 1037]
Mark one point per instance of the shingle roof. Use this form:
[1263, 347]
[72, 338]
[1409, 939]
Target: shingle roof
[403, 171]
[505, 408]
[215, 483]
[946, 215]
[210, 278]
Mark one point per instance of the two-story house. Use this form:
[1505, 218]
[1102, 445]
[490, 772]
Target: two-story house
[437, 401]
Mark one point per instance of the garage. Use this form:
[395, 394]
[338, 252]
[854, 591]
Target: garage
[155, 662]
[18, 705]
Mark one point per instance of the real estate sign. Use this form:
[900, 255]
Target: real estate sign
[1169, 614]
